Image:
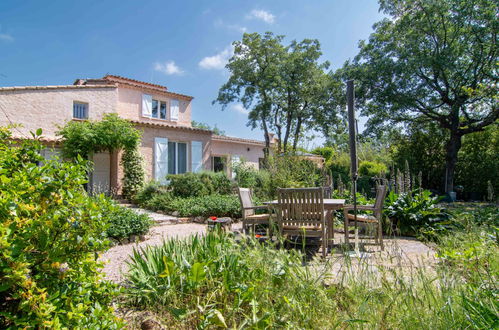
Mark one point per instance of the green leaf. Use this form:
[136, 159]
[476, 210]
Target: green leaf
[197, 272]
[39, 132]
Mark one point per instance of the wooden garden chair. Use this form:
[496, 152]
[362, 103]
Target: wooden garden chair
[300, 212]
[369, 220]
[250, 219]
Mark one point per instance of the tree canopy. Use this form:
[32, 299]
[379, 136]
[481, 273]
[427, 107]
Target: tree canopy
[284, 87]
[434, 61]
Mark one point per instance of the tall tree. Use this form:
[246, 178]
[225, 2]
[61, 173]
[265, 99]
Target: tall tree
[253, 70]
[434, 61]
[284, 87]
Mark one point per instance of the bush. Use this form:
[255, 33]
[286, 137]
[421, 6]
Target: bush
[372, 169]
[50, 232]
[148, 191]
[124, 222]
[199, 184]
[281, 172]
[134, 175]
[212, 205]
[416, 211]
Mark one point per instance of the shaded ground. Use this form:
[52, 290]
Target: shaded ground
[400, 252]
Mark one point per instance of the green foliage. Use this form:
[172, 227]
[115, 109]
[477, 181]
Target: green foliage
[134, 174]
[50, 232]
[215, 129]
[149, 191]
[372, 169]
[217, 281]
[199, 184]
[285, 88]
[81, 138]
[479, 162]
[280, 172]
[416, 211]
[210, 205]
[122, 221]
[420, 64]
[109, 134]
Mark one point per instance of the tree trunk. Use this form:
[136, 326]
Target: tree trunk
[453, 147]
[267, 138]
[297, 133]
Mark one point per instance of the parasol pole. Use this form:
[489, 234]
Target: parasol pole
[352, 125]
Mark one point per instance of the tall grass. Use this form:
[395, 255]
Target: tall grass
[217, 281]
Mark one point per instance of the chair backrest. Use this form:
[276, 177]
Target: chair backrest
[246, 201]
[300, 207]
[380, 197]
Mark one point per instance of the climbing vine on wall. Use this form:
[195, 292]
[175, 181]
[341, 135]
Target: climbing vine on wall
[110, 134]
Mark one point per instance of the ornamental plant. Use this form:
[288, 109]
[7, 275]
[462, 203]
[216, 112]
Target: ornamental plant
[110, 134]
[50, 235]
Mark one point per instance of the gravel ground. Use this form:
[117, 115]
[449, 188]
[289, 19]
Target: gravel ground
[116, 256]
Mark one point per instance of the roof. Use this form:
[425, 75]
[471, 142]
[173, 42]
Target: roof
[16, 88]
[236, 140]
[164, 125]
[143, 85]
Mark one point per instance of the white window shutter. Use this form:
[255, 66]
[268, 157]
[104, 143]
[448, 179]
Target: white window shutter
[160, 159]
[196, 156]
[174, 109]
[146, 105]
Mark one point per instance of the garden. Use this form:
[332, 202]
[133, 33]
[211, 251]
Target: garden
[431, 139]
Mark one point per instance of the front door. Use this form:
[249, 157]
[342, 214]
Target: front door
[102, 173]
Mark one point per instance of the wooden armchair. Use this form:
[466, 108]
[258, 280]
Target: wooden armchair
[375, 219]
[250, 219]
[300, 212]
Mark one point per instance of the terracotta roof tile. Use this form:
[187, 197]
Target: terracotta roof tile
[236, 139]
[151, 124]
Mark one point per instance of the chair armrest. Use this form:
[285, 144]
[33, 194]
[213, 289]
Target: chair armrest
[258, 207]
[359, 207]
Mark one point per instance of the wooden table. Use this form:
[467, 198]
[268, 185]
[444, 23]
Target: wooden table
[330, 205]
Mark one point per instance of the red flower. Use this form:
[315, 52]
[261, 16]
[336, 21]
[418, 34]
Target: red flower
[213, 218]
[258, 236]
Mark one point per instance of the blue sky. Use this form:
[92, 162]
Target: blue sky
[180, 44]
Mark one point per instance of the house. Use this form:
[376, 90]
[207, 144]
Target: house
[170, 145]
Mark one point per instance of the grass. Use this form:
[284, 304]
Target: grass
[216, 281]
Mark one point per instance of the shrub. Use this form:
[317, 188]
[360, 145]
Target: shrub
[199, 184]
[412, 212]
[134, 175]
[50, 232]
[371, 169]
[159, 202]
[148, 191]
[124, 222]
[211, 205]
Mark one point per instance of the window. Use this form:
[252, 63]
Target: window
[158, 109]
[80, 110]
[219, 163]
[177, 157]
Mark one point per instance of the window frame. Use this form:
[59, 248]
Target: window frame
[86, 110]
[159, 103]
[176, 155]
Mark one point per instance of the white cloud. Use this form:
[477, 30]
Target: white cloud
[238, 107]
[231, 27]
[217, 61]
[6, 37]
[262, 15]
[169, 68]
